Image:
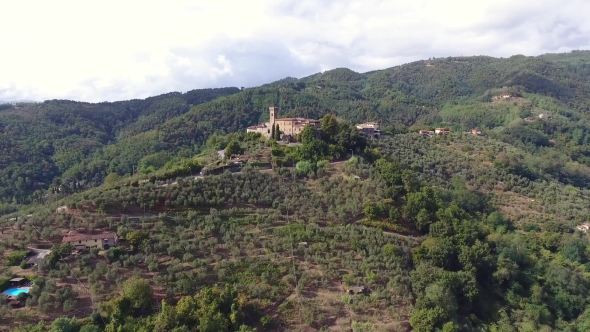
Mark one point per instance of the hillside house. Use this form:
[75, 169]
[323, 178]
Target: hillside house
[288, 126]
[501, 97]
[427, 133]
[356, 290]
[476, 132]
[17, 282]
[87, 241]
[583, 228]
[370, 129]
[545, 116]
[441, 131]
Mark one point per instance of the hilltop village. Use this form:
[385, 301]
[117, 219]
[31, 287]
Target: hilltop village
[289, 128]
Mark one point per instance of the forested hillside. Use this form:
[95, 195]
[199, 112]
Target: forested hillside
[86, 142]
[39, 141]
[461, 232]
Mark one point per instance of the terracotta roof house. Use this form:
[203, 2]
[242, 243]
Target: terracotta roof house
[288, 126]
[443, 131]
[370, 129]
[427, 132]
[87, 241]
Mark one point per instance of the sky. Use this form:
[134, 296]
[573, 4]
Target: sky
[117, 50]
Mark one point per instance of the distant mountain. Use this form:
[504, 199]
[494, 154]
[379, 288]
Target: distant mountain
[18, 101]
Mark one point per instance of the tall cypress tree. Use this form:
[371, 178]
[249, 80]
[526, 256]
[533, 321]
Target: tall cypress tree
[272, 133]
[277, 133]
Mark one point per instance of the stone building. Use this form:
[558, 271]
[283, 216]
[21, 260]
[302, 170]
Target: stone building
[370, 129]
[288, 126]
[101, 241]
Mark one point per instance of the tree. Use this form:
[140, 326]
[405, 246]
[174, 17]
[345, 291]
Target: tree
[330, 127]
[137, 237]
[15, 258]
[314, 150]
[277, 133]
[233, 148]
[89, 328]
[112, 178]
[139, 292]
[64, 324]
[308, 134]
[272, 131]
[305, 167]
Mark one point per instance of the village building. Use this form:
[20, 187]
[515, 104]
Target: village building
[583, 228]
[545, 116]
[500, 97]
[370, 129]
[86, 241]
[357, 290]
[427, 133]
[288, 126]
[17, 282]
[476, 132]
[441, 131]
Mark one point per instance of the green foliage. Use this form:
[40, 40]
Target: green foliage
[138, 237]
[233, 148]
[15, 258]
[304, 168]
[308, 134]
[64, 324]
[139, 292]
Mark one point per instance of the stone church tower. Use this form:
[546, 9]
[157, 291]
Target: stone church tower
[274, 112]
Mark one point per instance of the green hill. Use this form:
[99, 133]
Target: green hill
[455, 232]
[88, 141]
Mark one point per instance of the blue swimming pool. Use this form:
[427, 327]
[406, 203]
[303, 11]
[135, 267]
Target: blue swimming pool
[16, 291]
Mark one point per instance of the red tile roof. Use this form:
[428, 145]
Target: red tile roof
[257, 126]
[298, 119]
[86, 237]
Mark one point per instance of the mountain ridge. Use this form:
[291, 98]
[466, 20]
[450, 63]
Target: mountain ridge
[412, 94]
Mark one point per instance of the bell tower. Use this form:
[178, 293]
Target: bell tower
[274, 112]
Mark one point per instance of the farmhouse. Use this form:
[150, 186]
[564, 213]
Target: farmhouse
[370, 129]
[427, 133]
[288, 126]
[442, 131]
[500, 97]
[545, 116]
[476, 132]
[356, 290]
[17, 282]
[86, 241]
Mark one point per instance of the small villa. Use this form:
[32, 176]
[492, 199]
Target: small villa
[427, 133]
[584, 227]
[356, 290]
[501, 97]
[370, 129]
[17, 282]
[545, 116]
[86, 241]
[442, 131]
[476, 132]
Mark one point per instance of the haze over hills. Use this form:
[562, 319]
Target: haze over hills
[418, 231]
[17, 101]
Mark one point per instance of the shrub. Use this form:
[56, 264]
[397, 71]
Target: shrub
[15, 258]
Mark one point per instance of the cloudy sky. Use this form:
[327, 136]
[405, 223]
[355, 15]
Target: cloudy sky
[114, 50]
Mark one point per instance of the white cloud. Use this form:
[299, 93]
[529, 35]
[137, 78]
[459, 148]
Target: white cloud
[111, 50]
